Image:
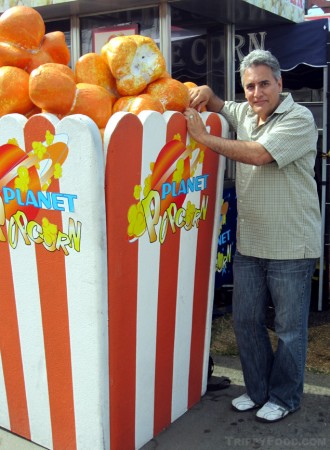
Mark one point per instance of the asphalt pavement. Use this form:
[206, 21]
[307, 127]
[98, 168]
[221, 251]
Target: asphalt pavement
[213, 425]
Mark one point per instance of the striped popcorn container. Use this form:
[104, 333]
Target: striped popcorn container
[108, 254]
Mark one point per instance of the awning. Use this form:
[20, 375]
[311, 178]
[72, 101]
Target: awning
[293, 44]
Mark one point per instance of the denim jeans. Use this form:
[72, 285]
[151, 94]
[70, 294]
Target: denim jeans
[276, 376]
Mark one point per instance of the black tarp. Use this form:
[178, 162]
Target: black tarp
[293, 44]
[300, 48]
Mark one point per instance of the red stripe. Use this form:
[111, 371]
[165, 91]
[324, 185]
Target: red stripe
[168, 281]
[54, 309]
[11, 349]
[167, 298]
[202, 274]
[123, 172]
[35, 130]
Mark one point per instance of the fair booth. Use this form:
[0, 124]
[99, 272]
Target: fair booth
[106, 286]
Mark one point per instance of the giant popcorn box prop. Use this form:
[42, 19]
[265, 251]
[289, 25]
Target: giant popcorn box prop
[108, 264]
[53, 295]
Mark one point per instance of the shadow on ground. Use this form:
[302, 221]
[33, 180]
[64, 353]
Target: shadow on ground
[213, 425]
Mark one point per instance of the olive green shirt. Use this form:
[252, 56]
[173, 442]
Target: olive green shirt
[278, 206]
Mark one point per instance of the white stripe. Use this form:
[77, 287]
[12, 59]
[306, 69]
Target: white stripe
[12, 126]
[147, 302]
[207, 342]
[146, 341]
[25, 277]
[86, 271]
[4, 413]
[219, 195]
[183, 322]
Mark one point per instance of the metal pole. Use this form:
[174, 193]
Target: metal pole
[75, 40]
[165, 33]
[323, 185]
[230, 62]
[230, 85]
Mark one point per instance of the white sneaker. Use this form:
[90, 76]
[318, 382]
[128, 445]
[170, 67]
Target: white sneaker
[244, 403]
[271, 412]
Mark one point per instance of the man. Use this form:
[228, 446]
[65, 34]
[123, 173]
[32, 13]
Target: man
[278, 229]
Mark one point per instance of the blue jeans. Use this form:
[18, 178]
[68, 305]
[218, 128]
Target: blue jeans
[276, 376]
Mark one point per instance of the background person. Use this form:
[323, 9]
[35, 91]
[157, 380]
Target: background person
[278, 229]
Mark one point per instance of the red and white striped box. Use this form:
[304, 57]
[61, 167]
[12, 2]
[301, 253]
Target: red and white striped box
[161, 265]
[53, 295]
[106, 288]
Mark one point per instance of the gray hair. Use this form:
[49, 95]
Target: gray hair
[258, 58]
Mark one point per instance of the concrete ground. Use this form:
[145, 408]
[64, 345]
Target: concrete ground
[213, 425]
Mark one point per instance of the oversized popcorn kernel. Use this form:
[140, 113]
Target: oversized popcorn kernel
[23, 26]
[14, 91]
[190, 84]
[135, 61]
[173, 94]
[136, 104]
[10, 55]
[23, 42]
[55, 45]
[52, 88]
[53, 49]
[93, 101]
[93, 69]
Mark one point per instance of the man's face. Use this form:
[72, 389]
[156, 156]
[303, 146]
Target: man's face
[262, 90]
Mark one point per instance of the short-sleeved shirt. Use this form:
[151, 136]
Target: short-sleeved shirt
[278, 205]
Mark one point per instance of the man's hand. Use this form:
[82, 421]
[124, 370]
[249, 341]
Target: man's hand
[247, 152]
[202, 97]
[195, 125]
